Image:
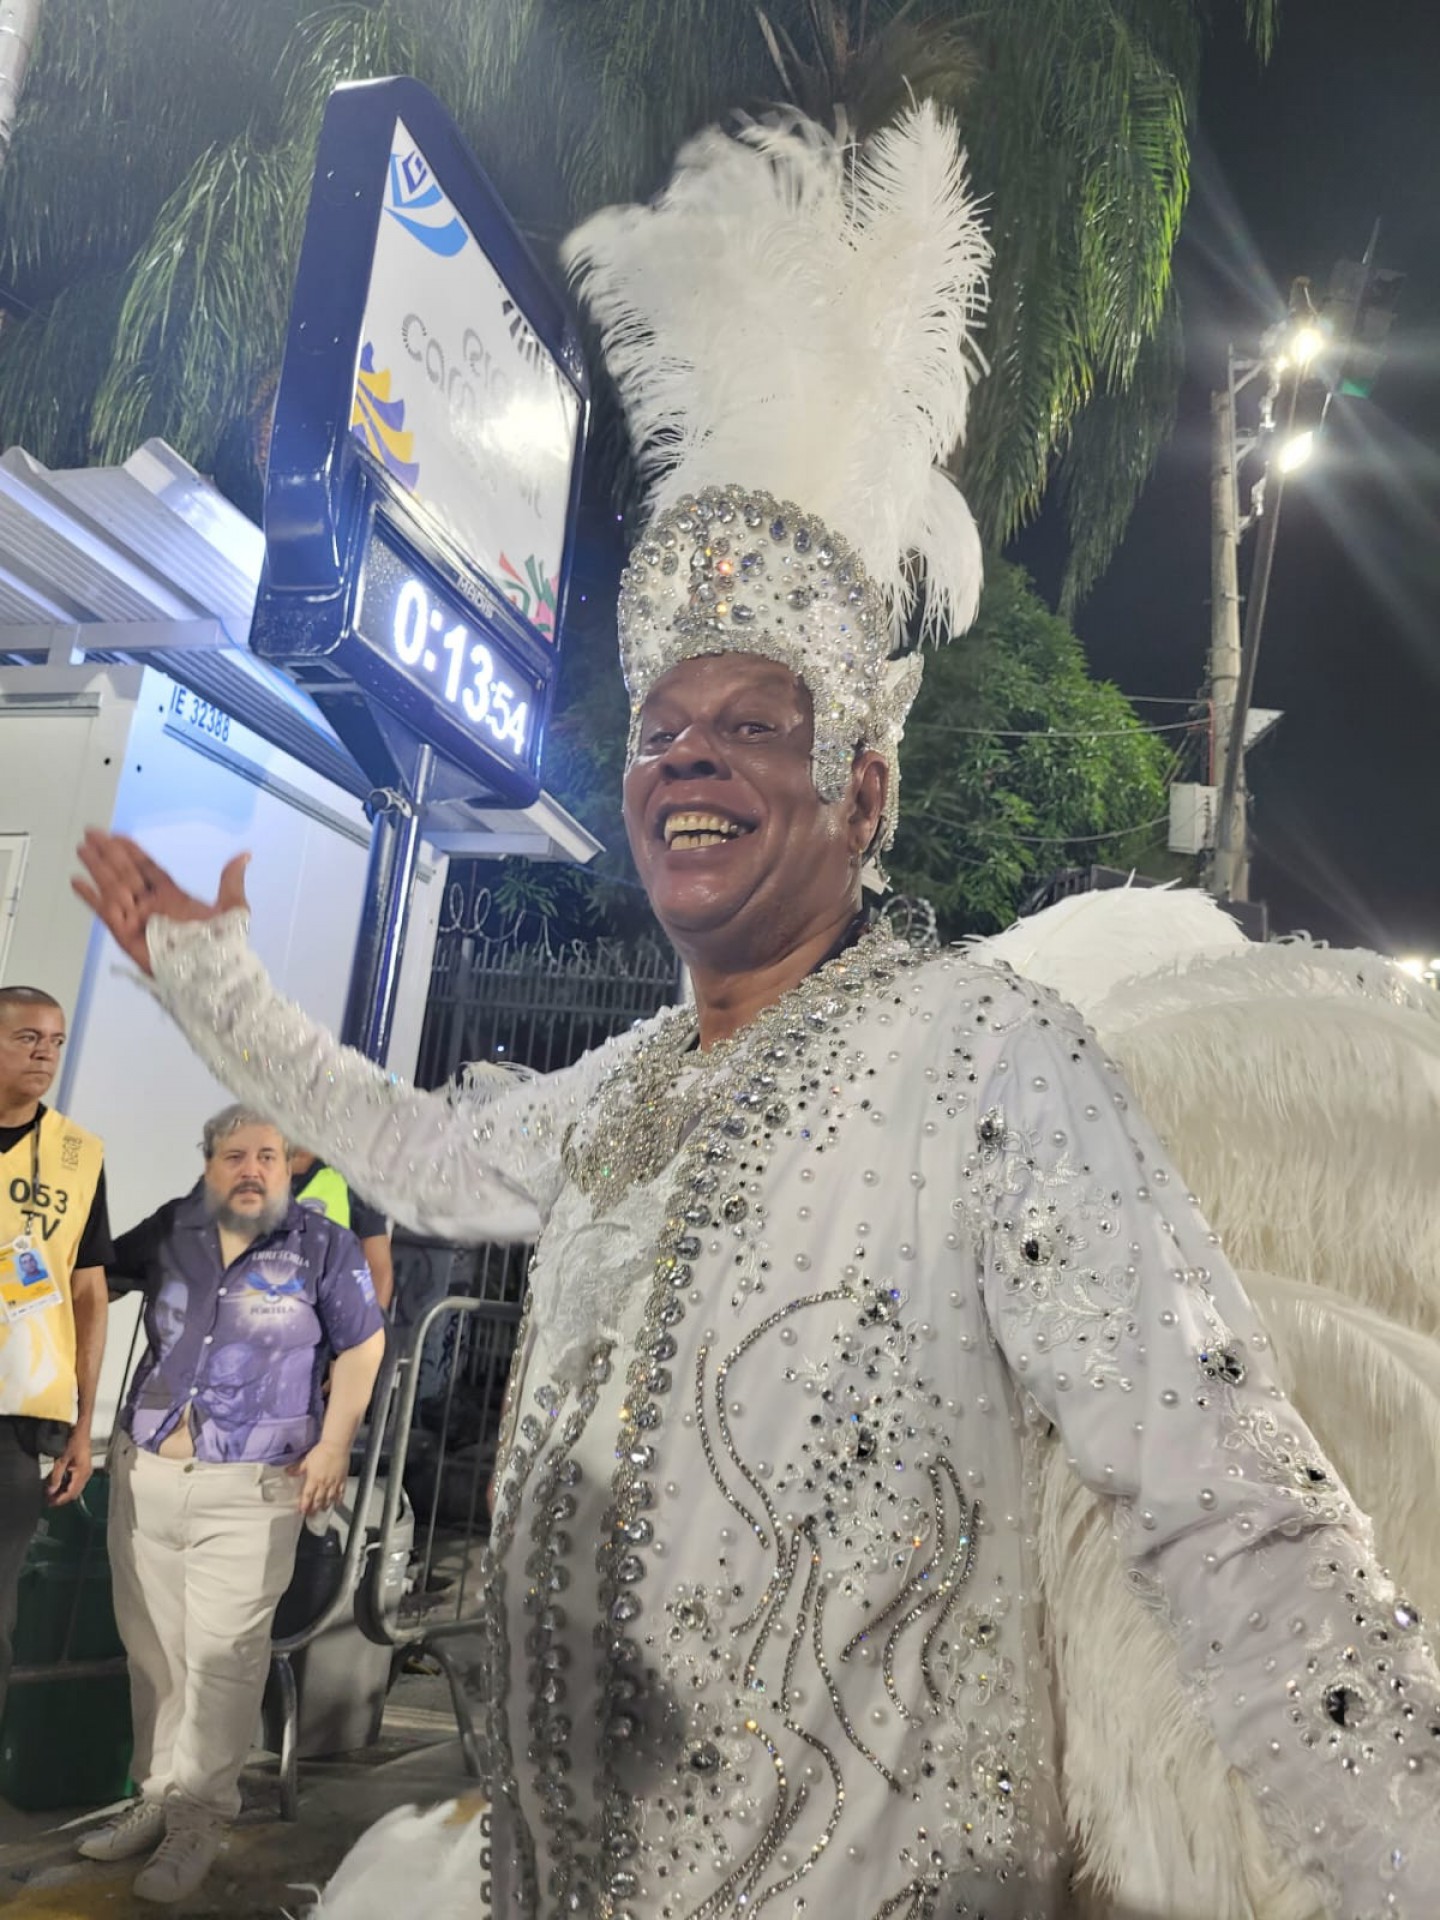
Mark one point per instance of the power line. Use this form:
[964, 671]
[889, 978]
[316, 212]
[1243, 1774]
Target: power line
[1060, 733]
[1089, 839]
[981, 829]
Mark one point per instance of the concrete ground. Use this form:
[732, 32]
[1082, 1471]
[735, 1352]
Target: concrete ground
[268, 1864]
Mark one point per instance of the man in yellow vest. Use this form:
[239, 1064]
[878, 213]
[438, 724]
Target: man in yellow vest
[54, 1244]
[318, 1187]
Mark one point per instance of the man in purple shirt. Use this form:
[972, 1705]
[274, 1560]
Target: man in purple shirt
[225, 1445]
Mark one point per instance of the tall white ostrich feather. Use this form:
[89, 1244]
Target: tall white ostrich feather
[797, 316]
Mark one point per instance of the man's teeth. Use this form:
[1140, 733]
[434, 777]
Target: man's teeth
[700, 830]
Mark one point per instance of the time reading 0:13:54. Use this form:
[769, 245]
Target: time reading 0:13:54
[462, 667]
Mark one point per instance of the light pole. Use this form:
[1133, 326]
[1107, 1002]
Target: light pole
[1290, 351]
[1224, 592]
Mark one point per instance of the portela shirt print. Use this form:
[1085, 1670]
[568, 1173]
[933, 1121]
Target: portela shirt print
[242, 1348]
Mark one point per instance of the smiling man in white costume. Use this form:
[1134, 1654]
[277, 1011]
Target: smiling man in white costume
[837, 1268]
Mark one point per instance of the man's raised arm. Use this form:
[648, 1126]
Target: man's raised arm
[454, 1168]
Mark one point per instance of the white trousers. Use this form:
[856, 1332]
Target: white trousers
[200, 1555]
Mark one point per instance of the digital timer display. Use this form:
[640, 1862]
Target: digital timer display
[415, 625]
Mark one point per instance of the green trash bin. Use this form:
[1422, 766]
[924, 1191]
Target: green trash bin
[65, 1738]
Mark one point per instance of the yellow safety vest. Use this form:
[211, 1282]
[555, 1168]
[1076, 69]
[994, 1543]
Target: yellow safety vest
[47, 1187]
[326, 1192]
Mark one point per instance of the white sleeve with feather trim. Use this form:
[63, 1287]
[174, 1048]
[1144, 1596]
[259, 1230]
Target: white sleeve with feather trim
[1120, 1317]
[480, 1164]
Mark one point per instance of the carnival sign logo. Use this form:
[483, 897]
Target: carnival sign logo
[414, 199]
[457, 398]
[531, 593]
[378, 421]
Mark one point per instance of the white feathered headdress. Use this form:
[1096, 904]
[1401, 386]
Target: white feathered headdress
[790, 326]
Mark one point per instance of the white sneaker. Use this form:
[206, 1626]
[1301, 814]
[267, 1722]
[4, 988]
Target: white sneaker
[134, 1832]
[193, 1837]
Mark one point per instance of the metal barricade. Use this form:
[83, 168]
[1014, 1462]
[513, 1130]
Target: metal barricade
[434, 1422]
[341, 1606]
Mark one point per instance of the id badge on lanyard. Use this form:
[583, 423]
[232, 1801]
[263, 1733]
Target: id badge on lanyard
[26, 1283]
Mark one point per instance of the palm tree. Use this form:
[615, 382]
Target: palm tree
[152, 206]
[121, 97]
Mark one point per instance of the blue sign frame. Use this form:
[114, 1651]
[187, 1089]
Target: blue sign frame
[332, 609]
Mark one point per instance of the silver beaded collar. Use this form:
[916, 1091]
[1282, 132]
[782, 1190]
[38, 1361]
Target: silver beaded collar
[655, 1098]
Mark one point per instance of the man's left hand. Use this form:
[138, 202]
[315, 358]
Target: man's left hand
[71, 1472]
[322, 1473]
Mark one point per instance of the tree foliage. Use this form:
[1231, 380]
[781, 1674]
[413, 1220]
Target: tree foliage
[152, 207]
[151, 213]
[1015, 763]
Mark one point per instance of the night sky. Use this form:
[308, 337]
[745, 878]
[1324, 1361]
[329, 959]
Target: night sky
[1293, 164]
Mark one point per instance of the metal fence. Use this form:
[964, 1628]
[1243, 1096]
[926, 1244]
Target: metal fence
[530, 1005]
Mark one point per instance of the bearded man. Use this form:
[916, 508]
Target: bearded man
[828, 1260]
[224, 1448]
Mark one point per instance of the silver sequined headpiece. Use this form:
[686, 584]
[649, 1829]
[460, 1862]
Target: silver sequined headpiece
[736, 572]
[790, 329]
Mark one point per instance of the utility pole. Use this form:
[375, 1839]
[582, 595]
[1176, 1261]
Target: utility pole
[1316, 355]
[1231, 861]
[1286, 361]
[1224, 603]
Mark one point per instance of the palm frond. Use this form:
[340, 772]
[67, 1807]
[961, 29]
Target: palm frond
[100, 144]
[865, 70]
[203, 323]
[51, 363]
[355, 41]
[1039, 374]
[483, 52]
[200, 325]
[1079, 133]
[651, 74]
[1130, 202]
[1113, 447]
[1262, 23]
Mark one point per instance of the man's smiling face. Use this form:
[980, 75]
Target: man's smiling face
[738, 853]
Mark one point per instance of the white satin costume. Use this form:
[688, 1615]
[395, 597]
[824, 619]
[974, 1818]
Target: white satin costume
[903, 1514]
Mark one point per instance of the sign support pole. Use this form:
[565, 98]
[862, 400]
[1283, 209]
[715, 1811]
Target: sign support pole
[385, 913]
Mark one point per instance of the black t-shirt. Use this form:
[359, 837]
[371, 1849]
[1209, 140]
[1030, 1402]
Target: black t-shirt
[96, 1248]
[365, 1222]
